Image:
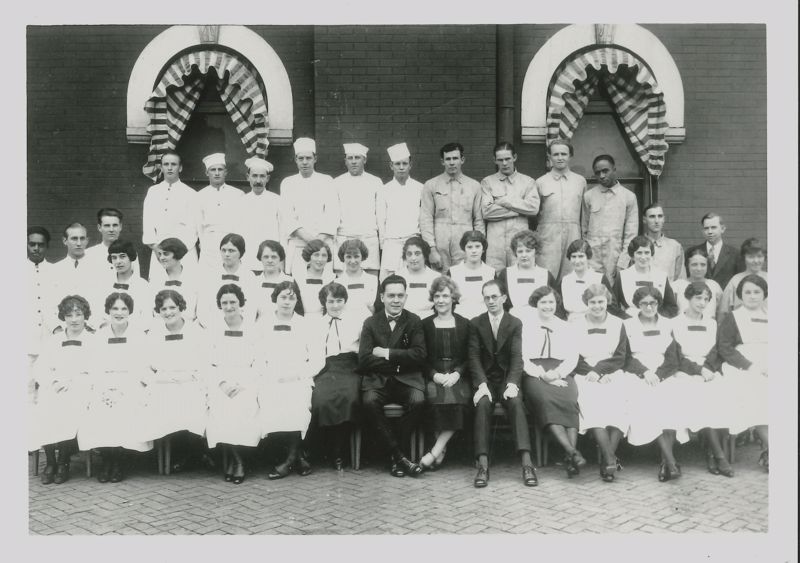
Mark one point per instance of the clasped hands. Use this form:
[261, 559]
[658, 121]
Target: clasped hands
[510, 392]
[550, 376]
[446, 379]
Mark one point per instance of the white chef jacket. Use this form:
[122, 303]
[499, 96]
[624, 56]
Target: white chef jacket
[259, 219]
[218, 217]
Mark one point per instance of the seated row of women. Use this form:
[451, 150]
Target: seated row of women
[237, 380]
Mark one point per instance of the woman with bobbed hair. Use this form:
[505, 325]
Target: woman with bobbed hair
[284, 396]
[170, 252]
[603, 387]
[176, 391]
[754, 256]
[574, 284]
[471, 274]
[122, 257]
[362, 288]
[524, 276]
[236, 361]
[708, 407]
[117, 397]
[271, 255]
[232, 270]
[549, 357]
[697, 266]
[418, 276]
[62, 372]
[317, 255]
[641, 273]
[336, 397]
[743, 347]
[448, 385]
[656, 412]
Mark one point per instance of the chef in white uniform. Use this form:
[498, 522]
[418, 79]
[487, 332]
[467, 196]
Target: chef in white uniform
[219, 204]
[259, 215]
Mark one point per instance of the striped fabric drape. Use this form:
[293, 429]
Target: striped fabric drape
[175, 97]
[636, 96]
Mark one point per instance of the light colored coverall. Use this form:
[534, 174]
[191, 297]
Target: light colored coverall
[560, 197]
[507, 202]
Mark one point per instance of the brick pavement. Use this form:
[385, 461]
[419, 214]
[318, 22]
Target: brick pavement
[370, 501]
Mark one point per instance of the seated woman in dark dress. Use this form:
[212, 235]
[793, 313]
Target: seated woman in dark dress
[549, 356]
[337, 387]
[448, 389]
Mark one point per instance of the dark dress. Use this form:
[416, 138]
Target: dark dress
[337, 388]
[447, 353]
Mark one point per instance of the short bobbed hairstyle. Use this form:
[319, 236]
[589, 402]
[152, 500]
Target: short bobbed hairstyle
[114, 297]
[121, 247]
[754, 279]
[315, 246]
[647, 291]
[420, 243]
[230, 288]
[473, 236]
[235, 240]
[175, 246]
[543, 291]
[638, 242]
[281, 287]
[444, 282]
[526, 238]
[334, 290]
[274, 246]
[579, 245]
[73, 303]
[171, 294]
[697, 288]
[350, 246]
[596, 290]
[753, 246]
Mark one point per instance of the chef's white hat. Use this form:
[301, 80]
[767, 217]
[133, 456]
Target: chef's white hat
[214, 160]
[255, 164]
[355, 148]
[304, 144]
[398, 152]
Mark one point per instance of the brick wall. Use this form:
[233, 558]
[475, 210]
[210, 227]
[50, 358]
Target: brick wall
[425, 85]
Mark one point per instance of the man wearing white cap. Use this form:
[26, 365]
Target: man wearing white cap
[310, 205]
[451, 205]
[218, 207]
[397, 208]
[259, 211]
[171, 210]
[357, 190]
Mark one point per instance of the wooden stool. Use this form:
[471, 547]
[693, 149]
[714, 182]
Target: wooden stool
[390, 410]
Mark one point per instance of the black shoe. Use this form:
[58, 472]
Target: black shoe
[409, 467]
[607, 473]
[104, 474]
[62, 473]
[116, 474]
[397, 470]
[302, 467]
[338, 464]
[711, 463]
[280, 471]
[619, 465]
[529, 476]
[663, 473]
[481, 478]
[238, 479]
[48, 474]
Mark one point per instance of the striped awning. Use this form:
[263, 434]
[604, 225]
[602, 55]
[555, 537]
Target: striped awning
[175, 97]
[634, 91]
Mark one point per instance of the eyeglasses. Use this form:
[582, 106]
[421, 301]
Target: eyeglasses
[643, 304]
[491, 297]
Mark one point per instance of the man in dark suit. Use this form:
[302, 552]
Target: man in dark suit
[724, 260]
[495, 362]
[391, 356]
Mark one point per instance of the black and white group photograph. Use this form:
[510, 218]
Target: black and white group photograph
[427, 277]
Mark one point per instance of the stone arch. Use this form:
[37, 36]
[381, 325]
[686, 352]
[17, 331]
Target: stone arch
[165, 46]
[644, 44]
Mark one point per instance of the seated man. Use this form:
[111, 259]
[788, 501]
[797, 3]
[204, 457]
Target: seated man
[390, 357]
[495, 362]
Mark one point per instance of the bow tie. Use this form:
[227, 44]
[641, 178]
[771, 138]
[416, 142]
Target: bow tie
[121, 286]
[393, 317]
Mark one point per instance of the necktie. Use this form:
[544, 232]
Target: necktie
[712, 263]
[333, 328]
[545, 353]
[495, 326]
[76, 263]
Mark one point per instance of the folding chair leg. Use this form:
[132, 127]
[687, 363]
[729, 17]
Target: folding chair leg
[160, 455]
[88, 463]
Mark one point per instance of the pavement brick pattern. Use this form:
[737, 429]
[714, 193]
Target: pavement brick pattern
[370, 501]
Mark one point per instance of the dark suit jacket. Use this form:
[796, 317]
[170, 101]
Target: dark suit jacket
[729, 264]
[507, 352]
[407, 351]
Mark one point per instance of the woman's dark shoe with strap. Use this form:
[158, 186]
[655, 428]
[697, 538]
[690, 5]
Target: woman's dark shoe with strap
[481, 477]
[302, 467]
[238, 474]
[338, 464]
[62, 473]
[607, 473]
[723, 467]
